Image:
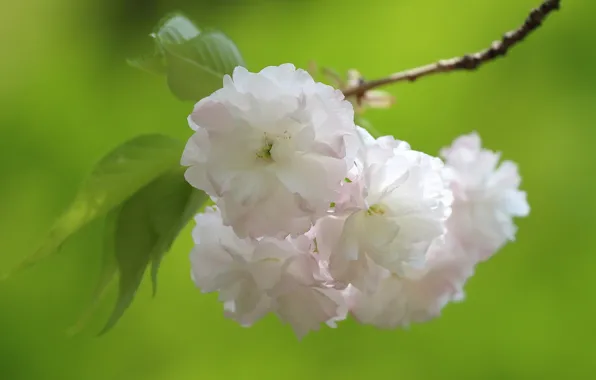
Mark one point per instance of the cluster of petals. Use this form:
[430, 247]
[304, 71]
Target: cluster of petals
[272, 148]
[255, 277]
[486, 196]
[315, 218]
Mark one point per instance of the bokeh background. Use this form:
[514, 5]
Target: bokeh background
[67, 97]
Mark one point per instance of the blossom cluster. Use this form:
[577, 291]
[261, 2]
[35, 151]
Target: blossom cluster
[315, 219]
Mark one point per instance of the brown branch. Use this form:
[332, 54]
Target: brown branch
[468, 61]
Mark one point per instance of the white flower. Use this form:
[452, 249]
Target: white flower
[255, 277]
[486, 196]
[303, 300]
[403, 208]
[315, 217]
[273, 147]
[418, 295]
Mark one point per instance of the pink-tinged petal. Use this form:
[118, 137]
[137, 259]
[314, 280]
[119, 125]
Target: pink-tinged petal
[212, 116]
[404, 206]
[314, 177]
[486, 197]
[417, 296]
[274, 148]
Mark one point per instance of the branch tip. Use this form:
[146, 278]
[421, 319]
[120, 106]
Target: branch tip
[467, 62]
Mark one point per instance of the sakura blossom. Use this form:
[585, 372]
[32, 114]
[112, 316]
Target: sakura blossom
[255, 277]
[420, 294]
[274, 147]
[315, 219]
[404, 207]
[486, 196]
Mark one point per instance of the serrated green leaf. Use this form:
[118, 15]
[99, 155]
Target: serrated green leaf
[134, 240]
[109, 269]
[148, 224]
[119, 175]
[154, 64]
[196, 67]
[175, 28]
[194, 61]
[194, 202]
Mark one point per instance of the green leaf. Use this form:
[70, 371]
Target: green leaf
[172, 29]
[175, 28]
[194, 61]
[147, 225]
[196, 67]
[154, 64]
[194, 201]
[109, 269]
[116, 177]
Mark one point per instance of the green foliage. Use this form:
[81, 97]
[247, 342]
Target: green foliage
[146, 227]
[115, 178]
[152, 63]
[193, 60]
[109, 269]
[140, 189]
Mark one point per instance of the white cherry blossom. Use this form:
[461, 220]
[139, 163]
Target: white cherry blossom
[315, 218]
[419, 294]
[273, 147]
[403, 205]
[486, 196]
[255, 277]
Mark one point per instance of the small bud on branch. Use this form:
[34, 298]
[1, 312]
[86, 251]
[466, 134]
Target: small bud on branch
[468, 61]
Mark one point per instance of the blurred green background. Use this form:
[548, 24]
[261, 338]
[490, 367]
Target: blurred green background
[67, 97]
